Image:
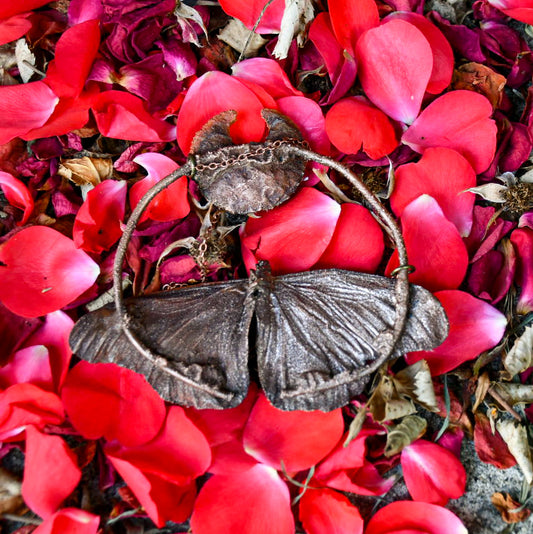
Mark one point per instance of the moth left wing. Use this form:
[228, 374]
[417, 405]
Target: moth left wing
[197, 337]
[317, 334]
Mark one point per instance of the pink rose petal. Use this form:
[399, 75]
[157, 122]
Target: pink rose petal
[29, 365]
[459, 120]
[17, 194]
[522, 240]
[42, 271]
[395, 63]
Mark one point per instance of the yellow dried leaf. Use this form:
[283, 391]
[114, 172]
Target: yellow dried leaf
[410, 429]
[515, 436]
[85, 170]
[519, 358]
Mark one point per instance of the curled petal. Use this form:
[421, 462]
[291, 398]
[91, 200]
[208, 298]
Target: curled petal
[432, 473]
[14, 27]
[354, 123]
[29, 365]
[395, 63]
[357, 242]
[443, 174]
[213, 93]
[69, 521]
[475, 326]
[517, 9]
[522, 240]
[120, 397]
[322, 36]
[293, 236]
[42, 271]
[97, 224]
[255, 500]
[50, 472]
[459, 120]
[250, 11]
[434, 246]
[409, 516]
[293, 440]
[17, 194]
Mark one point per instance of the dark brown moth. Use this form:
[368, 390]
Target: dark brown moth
[317, 336]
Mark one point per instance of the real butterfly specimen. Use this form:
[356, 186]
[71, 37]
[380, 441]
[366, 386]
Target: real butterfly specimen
[318, 335]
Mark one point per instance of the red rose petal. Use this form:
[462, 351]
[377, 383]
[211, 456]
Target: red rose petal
[30, 365]
[17, 194]
[43, 271]
[122, 115]
[350, 19]
[354, 123]
[324, 510]
[293, 236]
[459, 120]
[490, 446]
[50, 472]
[406, 517]
[297, 440]
[517, 9]
[213, 93]
[105, 400]
[255, 500]
[443, 174]
[522, 240]
[443, 60]
[24, 107]
[69, 521]
[7, 9]
[432, 473]
[434, 246]
[14, 27]
[74, 55]
[97, 224]
[357, 243]
[172, 203]
[475, 326]
[266, 73]
[26, 404]
[249, 11]
[395, 63]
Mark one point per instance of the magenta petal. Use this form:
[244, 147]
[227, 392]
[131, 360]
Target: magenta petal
[522, 240]
[43, 271]
[459, 120]
[322, 36]
[268, 74]
[475, 326]
[357, 243]
[434, 246]
[408, 517]
[255, 500]
[14, 27]
[443, 174]
[432, 473]
[293, 236]
[29, 365]
[395, 62]
[521, 10]
[213, 93]
[17, 195]
[293, 440]
[24, 107]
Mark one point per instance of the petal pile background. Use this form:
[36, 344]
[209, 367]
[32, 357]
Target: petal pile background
[431, 105]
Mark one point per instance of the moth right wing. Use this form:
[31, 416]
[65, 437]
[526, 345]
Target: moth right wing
[197, 337]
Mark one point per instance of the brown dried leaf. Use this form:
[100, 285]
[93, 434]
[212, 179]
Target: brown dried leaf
[415, 382]
[480, 78]
[236, 35]
[515, 393]
[515, 435]
[10, 493]
[85, 170]
[410, 429]
[519, 358]
[387, 404]
[356, 425]
[482, 386]
[510, 510]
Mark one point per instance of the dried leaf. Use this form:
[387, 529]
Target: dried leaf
[237, 35]
[85, 170]
[10, 493]
[519, 358]
[25, 60]
[515, 393]
[415, 382]
[483, 385]
[511, 510]
[482, 79]
[297, 14]
[491, 192]
[387, 404]
[515, 435]
[356, 425]
[403, 434]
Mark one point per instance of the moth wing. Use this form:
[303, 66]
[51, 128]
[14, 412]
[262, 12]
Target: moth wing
[318, 333]
[198, 337]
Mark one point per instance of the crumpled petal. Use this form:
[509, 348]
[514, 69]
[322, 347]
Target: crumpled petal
[255, 500]
[119, 397]
[443, 174]
[434, 246]
[43, 271]
[324, 510]
[406, 517]
[97, 224]
[51, 472]
[293, 236]
[459, 120]
[249, 11]
[394, 64]
[353, 124]
[172, 203]
[69, 521]
[475, 326]
[522, 240]
[30, 365]
[17, 194]
[293, 440]
[432, 473]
